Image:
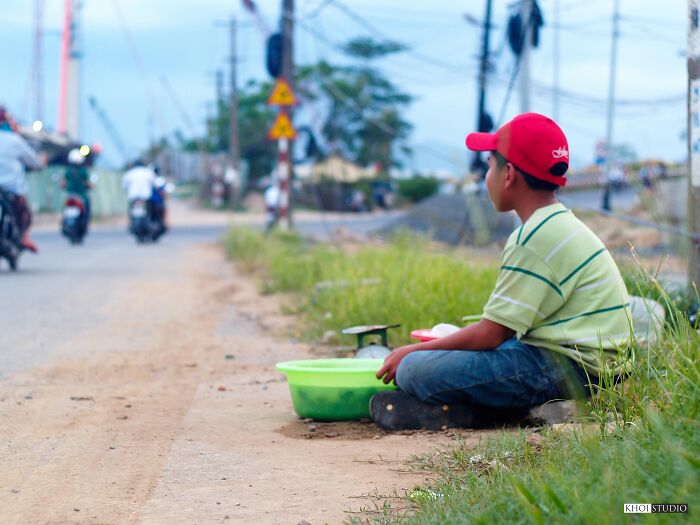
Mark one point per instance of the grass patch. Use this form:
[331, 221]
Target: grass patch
[640, 444]
[405, 282]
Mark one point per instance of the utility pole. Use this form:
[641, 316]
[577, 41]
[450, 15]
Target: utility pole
[37, 61]
[526, 12]
[611, 107]
[220, 132]
[287, 31]
[285, 172]
[69, 96]
[694, 138]
[483, 120]
[219, 86]
[556, 61]
[233, 134]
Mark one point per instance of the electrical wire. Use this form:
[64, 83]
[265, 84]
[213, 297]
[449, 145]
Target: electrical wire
[313, 31]
[650, 33]
[136, 56]
[572, 99]
[515, 70]
[585, 101]
[351, 103]
[364, 23]
[317, 10]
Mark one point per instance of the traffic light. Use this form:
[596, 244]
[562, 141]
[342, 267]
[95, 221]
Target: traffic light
[517, 28]
[275, 44]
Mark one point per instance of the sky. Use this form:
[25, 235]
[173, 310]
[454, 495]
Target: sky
[186, 41]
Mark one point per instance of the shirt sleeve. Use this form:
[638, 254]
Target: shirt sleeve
[526, 291]
[27, 155]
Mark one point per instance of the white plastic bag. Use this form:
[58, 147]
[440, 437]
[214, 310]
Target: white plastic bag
[648, 317]
[444, 329]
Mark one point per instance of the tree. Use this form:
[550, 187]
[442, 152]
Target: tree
[361, 111]
[254, 120]
[362, 107]
[624, 153]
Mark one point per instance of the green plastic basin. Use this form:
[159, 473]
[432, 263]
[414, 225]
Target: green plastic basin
[333, 389]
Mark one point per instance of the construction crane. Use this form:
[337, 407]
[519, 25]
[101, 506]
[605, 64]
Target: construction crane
[264, 28]
[107, 123]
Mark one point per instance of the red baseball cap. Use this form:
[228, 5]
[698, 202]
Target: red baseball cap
[532, 142]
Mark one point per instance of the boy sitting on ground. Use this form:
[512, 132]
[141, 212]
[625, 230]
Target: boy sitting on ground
[557, 318]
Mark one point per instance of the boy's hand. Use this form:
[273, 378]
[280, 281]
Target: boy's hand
[482, 336]
[391, 363]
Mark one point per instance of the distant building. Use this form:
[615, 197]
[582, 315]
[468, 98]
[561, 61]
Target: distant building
[334, 168]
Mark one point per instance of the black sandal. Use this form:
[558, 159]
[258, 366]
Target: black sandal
[396, 410]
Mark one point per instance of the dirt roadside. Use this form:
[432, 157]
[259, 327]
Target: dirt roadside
[170, 411]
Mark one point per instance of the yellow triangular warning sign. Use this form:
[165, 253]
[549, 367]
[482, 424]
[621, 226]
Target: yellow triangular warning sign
[282, 128]
[282, 94]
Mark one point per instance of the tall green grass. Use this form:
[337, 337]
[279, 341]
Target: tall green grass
[640, 442]
[405, 282]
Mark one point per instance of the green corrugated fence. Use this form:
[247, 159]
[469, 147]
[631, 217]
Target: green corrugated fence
[46, 194]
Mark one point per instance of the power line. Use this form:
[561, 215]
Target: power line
[658, 22]
[352, 105]
[364, 23]
[573, 99]
[136, 56]
[648, 32]
[572, 96]
[318, 9]
[579, 25]
[321, 37]
[526, 31]
[631, 102]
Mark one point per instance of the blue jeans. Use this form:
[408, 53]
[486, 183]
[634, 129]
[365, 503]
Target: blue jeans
[514, 375]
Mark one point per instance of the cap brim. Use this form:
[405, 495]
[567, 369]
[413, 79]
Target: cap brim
[481, 141]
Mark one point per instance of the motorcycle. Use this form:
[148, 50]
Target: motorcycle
[73, 225]
[10, 234]
[143, 223]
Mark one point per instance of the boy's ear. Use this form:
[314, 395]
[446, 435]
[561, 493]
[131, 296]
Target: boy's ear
[511, 175]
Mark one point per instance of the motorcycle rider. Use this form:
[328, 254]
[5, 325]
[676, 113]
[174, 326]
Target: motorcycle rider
[16, 155]
[138, 182]
[76, 181]
[271, 197]
[158, 197]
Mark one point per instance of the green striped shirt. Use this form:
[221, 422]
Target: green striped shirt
[560, 289]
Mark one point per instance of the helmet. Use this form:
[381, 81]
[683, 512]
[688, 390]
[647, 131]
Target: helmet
[75, 157]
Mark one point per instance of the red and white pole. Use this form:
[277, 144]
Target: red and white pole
[63, 76]
[283, 173]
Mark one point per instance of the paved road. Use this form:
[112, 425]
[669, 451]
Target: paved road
[621, 201]
[59, 292]
[167, 408]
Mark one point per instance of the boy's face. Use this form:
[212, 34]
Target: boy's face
[496, 185]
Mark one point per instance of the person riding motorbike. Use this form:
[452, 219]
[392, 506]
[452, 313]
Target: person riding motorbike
[76, 181]
[272, 198]
[158, 196]
[16, 155]
[138, 182]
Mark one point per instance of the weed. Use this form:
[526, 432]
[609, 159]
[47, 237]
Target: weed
[405, 282]
[645, 446]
